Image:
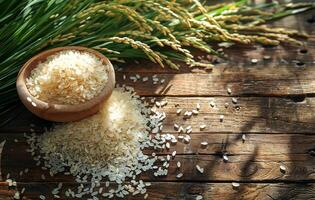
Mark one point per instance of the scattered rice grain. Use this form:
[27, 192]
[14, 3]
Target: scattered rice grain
[254, 61]
[235, 184]
[178, 111]
[234, 100]
[225, 157]
[229, 91]
[199, 197]
[180, 175]
[199, 169]
[178, 164]
[243, 137]
[283, 168]
[267, 57]
[221, 118]
[204, 143]
[16, 195]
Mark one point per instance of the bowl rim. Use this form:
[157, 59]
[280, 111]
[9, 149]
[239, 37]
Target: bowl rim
[23, 91]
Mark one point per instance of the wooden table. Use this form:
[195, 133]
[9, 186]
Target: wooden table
[276, 100]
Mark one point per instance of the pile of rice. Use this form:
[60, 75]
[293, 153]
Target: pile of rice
[68, 77]
[107, 146]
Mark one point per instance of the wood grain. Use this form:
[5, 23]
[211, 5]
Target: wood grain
[189, 191]
[255, 115]
[233, 144]
[276, 98]
[257, 163]
[276, 80]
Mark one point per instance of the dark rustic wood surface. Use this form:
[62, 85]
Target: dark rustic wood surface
[276, 106]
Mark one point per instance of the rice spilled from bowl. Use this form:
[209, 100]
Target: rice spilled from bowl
[106, 147]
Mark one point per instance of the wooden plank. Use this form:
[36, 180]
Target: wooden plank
[190, 190]
[250, 162]
[256, 159]
[232, 144]
[255, 115]
[271, 80]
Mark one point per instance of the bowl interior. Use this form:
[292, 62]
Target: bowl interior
[33, 62]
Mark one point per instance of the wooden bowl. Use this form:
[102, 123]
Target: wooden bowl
[58, 112]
